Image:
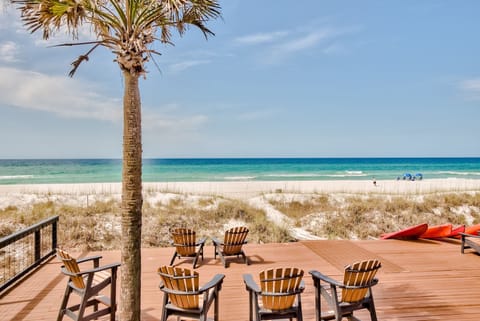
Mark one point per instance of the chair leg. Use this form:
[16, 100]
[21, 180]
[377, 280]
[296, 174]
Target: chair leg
[83, 305]
[224, 261]
[299, 308]
[113, 295]
[195, 260]
[164, 310]
[200, 251]
[318, 304]
[250, 305]
[215, 306]
[245, 258]
[63, 306]
[173, 258]
[371, 308]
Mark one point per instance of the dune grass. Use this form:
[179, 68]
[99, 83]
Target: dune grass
[367, 216]
[95, 225]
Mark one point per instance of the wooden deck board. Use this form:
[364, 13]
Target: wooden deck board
[420, 280]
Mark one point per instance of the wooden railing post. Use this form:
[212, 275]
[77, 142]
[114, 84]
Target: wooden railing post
[54, 235]
[38, 243]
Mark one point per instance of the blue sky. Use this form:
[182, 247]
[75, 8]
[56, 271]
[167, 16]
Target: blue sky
[281, 78]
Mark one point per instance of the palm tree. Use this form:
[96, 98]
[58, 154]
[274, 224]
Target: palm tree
[128, 28]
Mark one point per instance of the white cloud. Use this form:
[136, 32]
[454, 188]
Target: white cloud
[471, 87]
[66, 97]
[182, 66]
[304, 42]
[73, 98]
[280, 45]
[8, 51]
[260, 38]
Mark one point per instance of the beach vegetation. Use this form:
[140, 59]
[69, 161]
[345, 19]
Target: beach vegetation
[97, 226]
[128, 29]
[367, 216]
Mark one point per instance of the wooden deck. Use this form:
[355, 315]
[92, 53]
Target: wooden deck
[419, 280]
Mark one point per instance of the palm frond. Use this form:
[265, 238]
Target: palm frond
[126, 27]
[81, 59]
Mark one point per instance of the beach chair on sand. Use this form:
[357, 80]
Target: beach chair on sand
[356, 292]
[279, 290]
[470, 241]
[186, 245]
[88, 284]
[232, 244]
[184, 297]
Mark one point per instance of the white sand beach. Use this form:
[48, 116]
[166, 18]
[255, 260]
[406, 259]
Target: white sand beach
[247, 189]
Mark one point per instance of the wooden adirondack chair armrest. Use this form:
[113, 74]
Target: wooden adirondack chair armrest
[112, 266]
[464, 235]
[90, 258]
[202, 241]
[216, 241]
[251, 284]
[317, 275]
[215, 281]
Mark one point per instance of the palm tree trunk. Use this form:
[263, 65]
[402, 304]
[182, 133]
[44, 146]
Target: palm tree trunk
[131, 201]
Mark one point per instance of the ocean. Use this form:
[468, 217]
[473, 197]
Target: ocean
[42, 171]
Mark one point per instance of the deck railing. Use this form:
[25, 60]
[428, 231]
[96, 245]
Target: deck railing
[23, 251]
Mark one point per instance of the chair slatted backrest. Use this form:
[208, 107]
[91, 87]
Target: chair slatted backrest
[359, 274]
[71, 266]
[184, 240]
[234, 240]
[183, 280]
[284, 282]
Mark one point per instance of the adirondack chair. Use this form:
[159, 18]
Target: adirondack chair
[279, 289]
[470, 241]
[184, 297]
[186, 245]
[356, 292]
[88, 284]
[232, 244]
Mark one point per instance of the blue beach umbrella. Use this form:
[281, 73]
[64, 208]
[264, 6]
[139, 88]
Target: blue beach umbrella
[407, 176]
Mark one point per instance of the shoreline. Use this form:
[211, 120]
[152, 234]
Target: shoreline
[245, 189]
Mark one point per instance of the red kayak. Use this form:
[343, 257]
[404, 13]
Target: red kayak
[472, 230]
[437, 231]
[456, 231]
[412, 232]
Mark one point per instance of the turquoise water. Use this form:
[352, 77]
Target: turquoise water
[237, 169]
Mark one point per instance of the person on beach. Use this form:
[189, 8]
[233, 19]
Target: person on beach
[374, 182]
